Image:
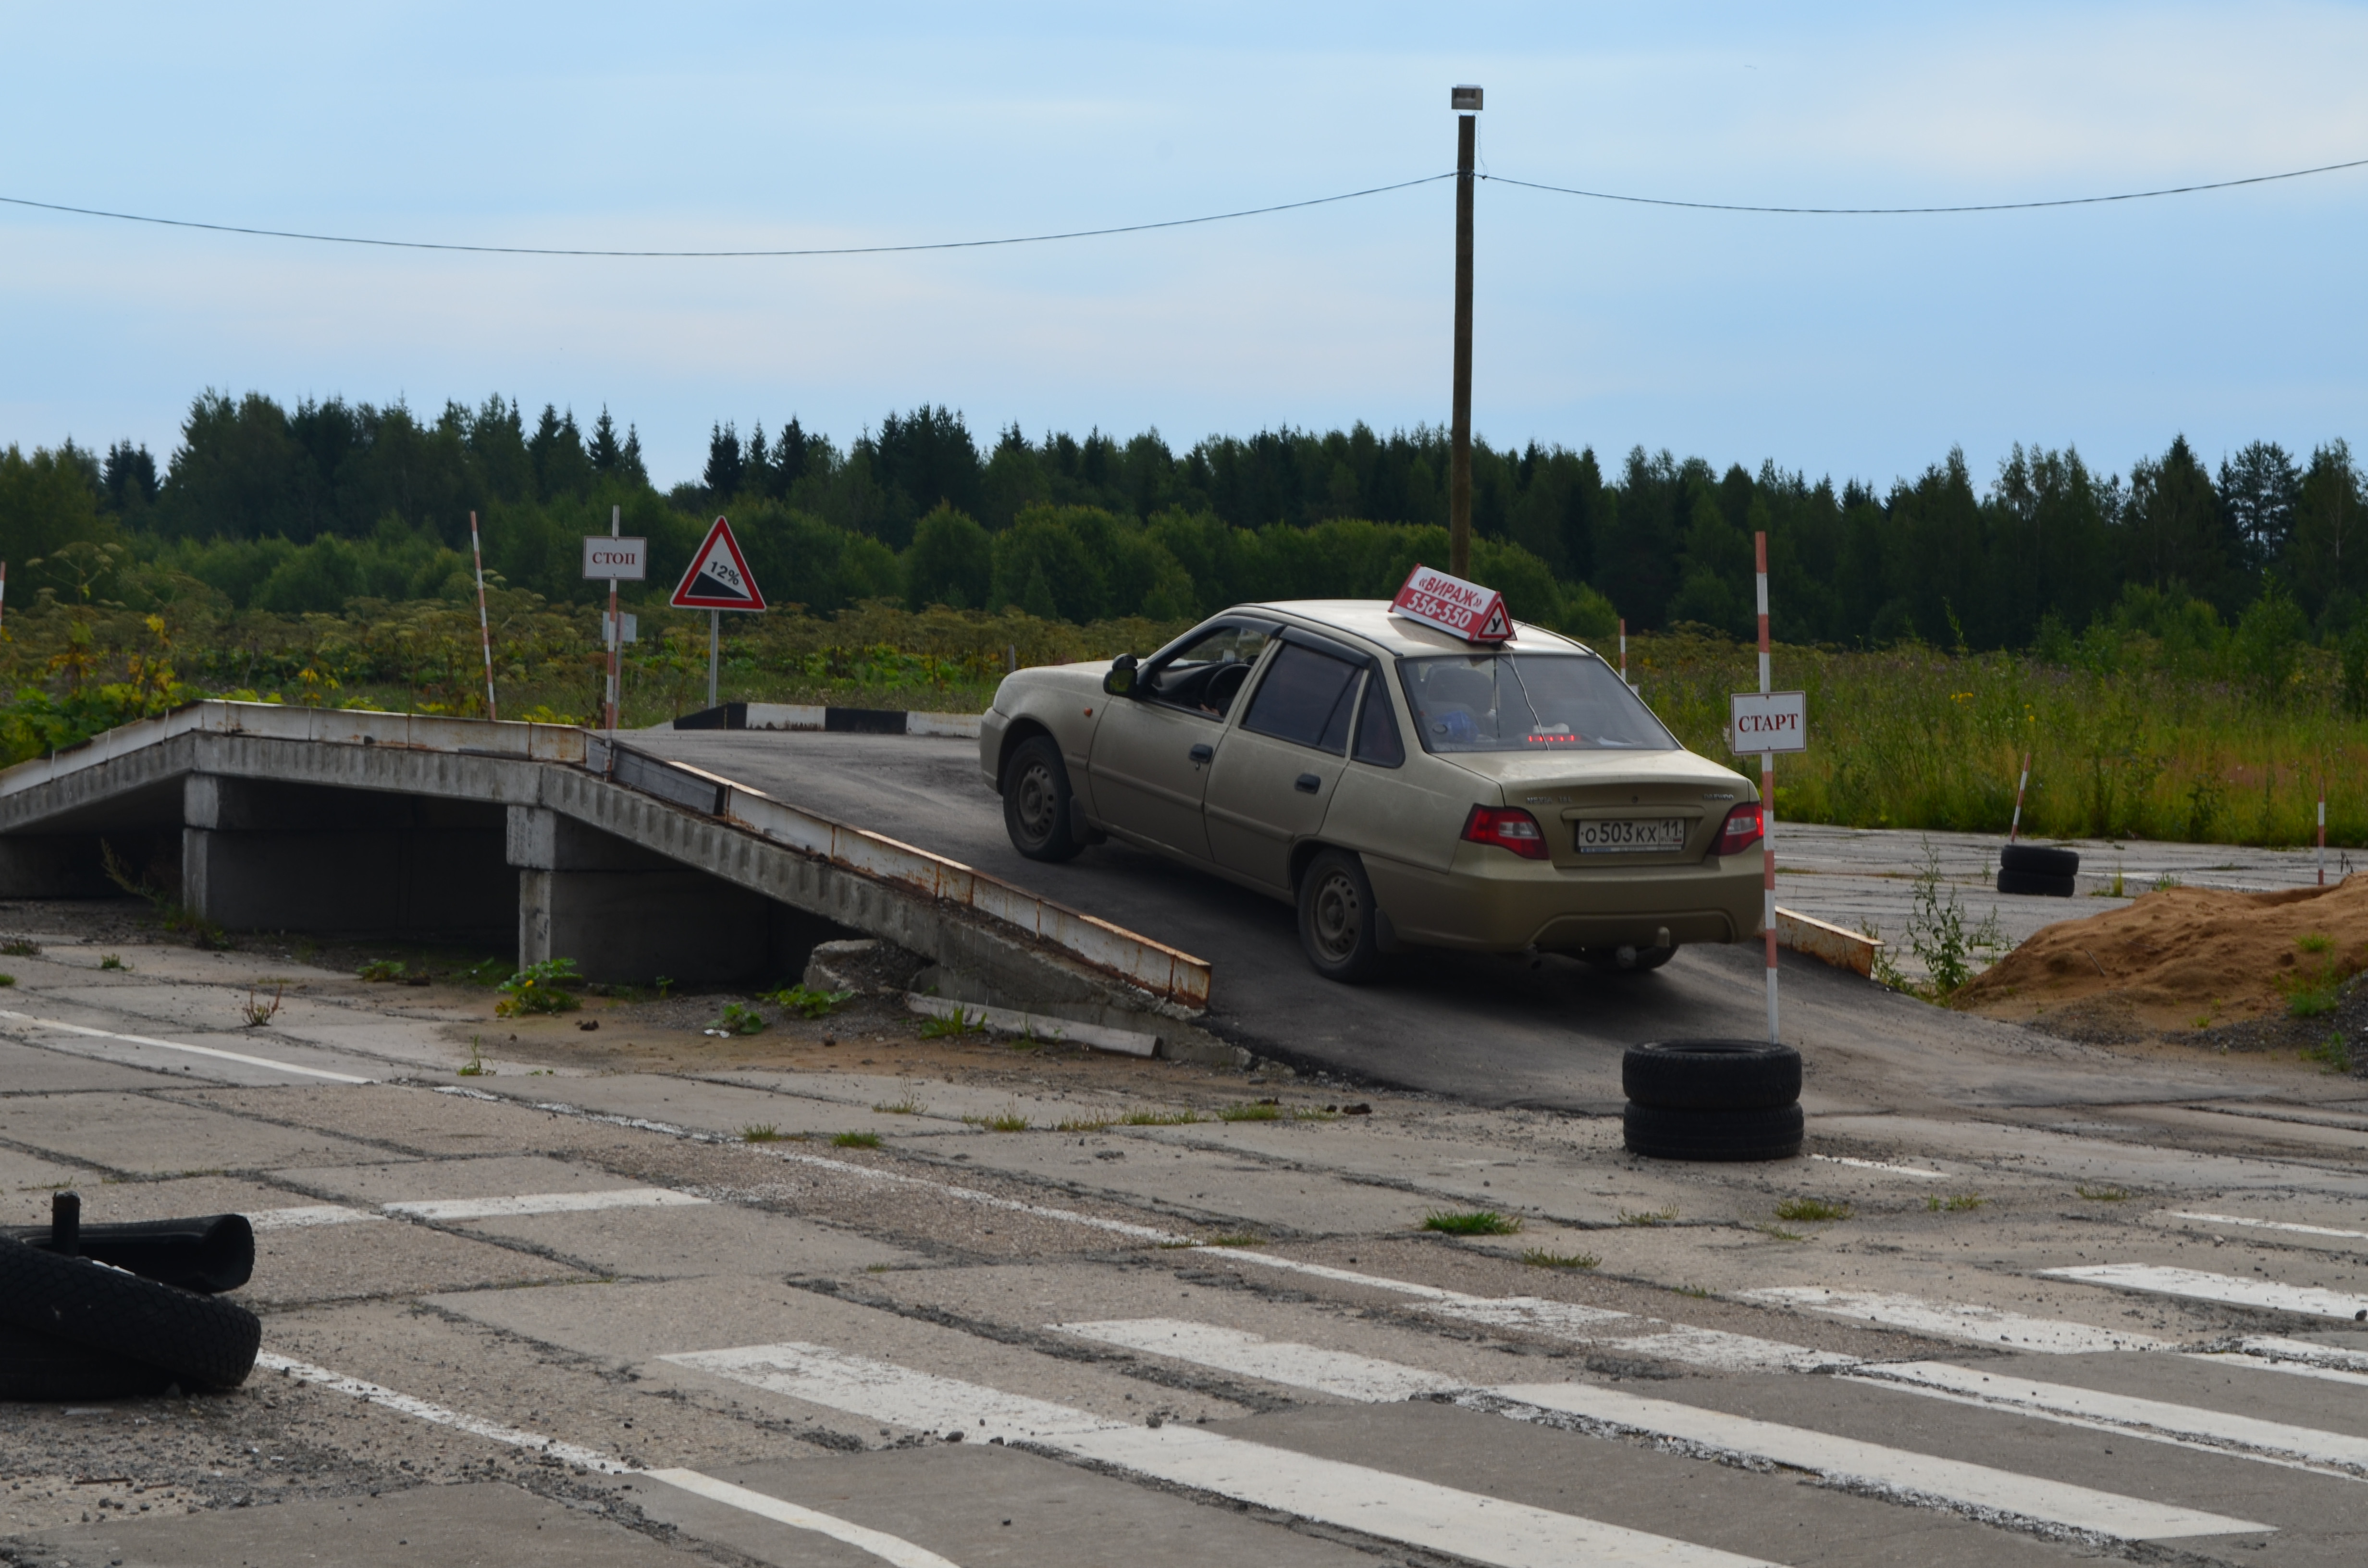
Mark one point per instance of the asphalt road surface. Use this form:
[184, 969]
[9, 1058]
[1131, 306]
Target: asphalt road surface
[1497, 1030]
[838, 1295]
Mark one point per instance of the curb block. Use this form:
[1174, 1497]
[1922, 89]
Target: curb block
[837, 720]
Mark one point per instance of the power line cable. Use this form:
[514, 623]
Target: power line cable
[713, 255]
[1178, 222]
[1968, 207]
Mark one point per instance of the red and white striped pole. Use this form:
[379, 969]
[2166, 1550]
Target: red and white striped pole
[2322, 832]
[1624, 650]
[2019, 785]
[4, 592]
[485, 628]
[615, 631]
[1767, 799]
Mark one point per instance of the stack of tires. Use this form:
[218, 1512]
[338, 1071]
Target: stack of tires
[2034, 868]
[1712, 1099]
[112, 1310]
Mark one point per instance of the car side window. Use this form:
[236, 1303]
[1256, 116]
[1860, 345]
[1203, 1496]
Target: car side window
[1306, 698]
[1377, 727]
[1207, 675]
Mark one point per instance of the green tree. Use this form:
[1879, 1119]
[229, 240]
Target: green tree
[951, 562]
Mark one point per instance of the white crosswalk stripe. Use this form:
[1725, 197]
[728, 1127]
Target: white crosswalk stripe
[1466, 1524]
[889, 1549]
[305, 1215]
[450, 1209]
[2290, 1226]
[2228, 1290]
[1953, 1320]
[1979, 1489]
[2334, 1453]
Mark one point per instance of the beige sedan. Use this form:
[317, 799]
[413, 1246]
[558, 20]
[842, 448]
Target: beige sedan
[1401, 786]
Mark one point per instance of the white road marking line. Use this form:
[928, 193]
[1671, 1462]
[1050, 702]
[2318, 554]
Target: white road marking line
[2279, 1364]
[1564, 1319]
[887, 1548]
[2280, 1348]
[2251, 1223]
[2229, 1290]
[1975, 1489]
[890, 1549]
[2243, 1436]
[309, 1214]
[1717, 1350]
[1879, 1166]
[1466, 1524]
[193, 1050]
[1978, 1489]
[543, 1203]
[1955, 1320]
[1337, 1372]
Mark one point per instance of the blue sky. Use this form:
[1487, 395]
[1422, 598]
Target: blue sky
[1854, 346]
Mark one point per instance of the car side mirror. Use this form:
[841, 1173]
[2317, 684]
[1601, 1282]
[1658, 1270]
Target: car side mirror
[1120, 682]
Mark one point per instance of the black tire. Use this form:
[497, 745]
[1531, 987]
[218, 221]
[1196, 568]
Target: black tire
[1640, 960]
[201, 1340]
[1712, 1074]
[1036, 799]
[2031, 882]
[1772, 1133]
[210, 1253]
[2038, 860]
[1339, 928]
[38, 1367]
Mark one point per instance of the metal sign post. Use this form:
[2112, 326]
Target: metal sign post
[485, 628]
[718, 579]
[620, 559]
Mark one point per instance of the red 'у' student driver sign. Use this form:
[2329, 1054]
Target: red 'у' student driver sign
[1467, 610]
[718, 578]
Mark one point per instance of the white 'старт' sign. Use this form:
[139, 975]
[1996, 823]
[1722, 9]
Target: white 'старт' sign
[1768, 720]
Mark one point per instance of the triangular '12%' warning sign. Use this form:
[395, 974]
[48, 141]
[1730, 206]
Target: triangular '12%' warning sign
[718, 578]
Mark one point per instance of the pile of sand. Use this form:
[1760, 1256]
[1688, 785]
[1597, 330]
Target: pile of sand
[2184, 957]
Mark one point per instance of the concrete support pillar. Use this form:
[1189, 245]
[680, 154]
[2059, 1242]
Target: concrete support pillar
[258, 854]
[627, 916]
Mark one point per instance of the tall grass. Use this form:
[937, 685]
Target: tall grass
[2123, 745]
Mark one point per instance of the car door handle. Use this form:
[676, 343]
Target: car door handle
[1307, 783]
[1203, 752]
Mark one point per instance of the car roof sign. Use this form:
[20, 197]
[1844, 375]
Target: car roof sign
[1466, 609]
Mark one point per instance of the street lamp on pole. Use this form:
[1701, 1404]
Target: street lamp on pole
[1465, 102]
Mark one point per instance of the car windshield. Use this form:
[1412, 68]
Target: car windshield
[1527, 702]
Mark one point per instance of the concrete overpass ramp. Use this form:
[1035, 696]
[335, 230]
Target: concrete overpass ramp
[260, 817]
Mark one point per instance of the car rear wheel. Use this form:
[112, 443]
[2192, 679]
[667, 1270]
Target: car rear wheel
[1036, 802]
[1337, 920]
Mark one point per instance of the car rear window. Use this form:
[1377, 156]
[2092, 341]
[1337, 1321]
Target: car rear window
[1527, 702]
[1304, 698]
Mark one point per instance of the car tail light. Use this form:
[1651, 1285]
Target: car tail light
[1743, 828]
[1506, 827]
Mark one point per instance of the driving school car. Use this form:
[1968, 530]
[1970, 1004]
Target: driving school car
[1404, 785]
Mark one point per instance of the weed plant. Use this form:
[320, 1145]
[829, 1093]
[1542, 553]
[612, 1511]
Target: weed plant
[1957, 1203]
[1539, 1258]
[1815, 1210]
[1475, 1222]
[855, 1140]
[539, 988]
[736, 1019]
[761, 1132]
[1254, 1110]
[805, 1003]
[953, 1026]
[1159, 1119]
[2333, 1054]
[1661, 1216]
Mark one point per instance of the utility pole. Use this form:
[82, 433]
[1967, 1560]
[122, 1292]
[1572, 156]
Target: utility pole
[1467, 102]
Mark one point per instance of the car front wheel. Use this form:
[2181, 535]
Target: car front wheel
[1337, 919]
[1036, 802]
